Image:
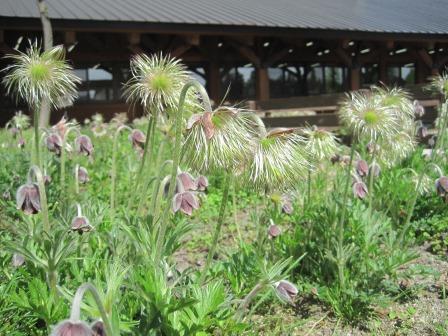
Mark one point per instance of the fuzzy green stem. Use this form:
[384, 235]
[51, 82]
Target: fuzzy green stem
[113, 173]
[75, 314]
[308, 189]
[36, 138]
[149, 145]
[410, 210]
[176, 158]
[77, 179]
[35, 170]
[235, 215]
[218, 227]
[341, 261]
[63, 157]
[248, 299]
[371, 179]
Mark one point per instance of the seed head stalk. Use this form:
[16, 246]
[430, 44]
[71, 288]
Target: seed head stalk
[35, 170]
[36, 155]
[222, 210]
[176, 158]
[63, 157]
[340, 259]
[410, 210]
[113, 173]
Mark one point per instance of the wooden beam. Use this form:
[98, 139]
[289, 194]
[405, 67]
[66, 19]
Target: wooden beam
[69, 37]
[262, 84]
[180, 50]
[246, 52]
[276, 57]
[344, 56]
[193, 39]
[214, 82]
[425, 57]
[355, 79]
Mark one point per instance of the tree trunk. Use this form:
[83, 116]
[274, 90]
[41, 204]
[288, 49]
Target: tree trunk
[48, 44]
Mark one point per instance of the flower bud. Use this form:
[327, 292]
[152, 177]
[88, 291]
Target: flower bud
[84, 145]
[81, 224]
[442, 187]
[202, 183]
[419, 110]
[28, 198]
[83, 175]
[6, 195]
[186, 202]
[98, 328]
[137, 139]
[362, 168]
[54, 143]
[187, 181]
[17, 260]
[375, 169]
[69, 328]
[273, 231]
[286, 291]
[360, 190]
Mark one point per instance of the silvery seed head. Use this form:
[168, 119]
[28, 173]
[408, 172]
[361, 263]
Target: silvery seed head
[279, 161]
[28, 198]
[320, 144]
[84, 145]
[286, 291]
[222, 139]
[360, 190]
[439, 83]
[34, 76]
[72, 328]
[156, 81]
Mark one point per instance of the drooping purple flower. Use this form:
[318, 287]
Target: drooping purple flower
[21, 143]
[419, 110]
[442, 187]
[17, 260]
[287, 207]
[188, 182]
[28, 198]
[362, 168]
[69, 328]
[54, 143]
[202, 183]
[360, 190]
[81, 224]
[375, 169]
[286, 291]
[83, 175]
[422, 132]
[84, 145]
[273, 231]
[137, 139]
[186, 202]
[98, 328]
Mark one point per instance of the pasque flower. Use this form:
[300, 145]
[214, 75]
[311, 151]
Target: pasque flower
[222, 139]
[35, 75]
[28, 198]
[72, 328]
[81, 224]
[320, 144]
[83, 175]
[442, 187]
[286, 291]
[98, 328]
[362, 168]
[273, 231]
[54, 143]
[202, 183]
[84, 145]
[186, 202]
[360, 189]
[137, 139]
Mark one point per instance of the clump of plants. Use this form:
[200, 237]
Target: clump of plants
[101, 212]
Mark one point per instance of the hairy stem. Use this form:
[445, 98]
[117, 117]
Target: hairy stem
[36, 138]
[222, 210]
[249, 297]
[75, 314]
[176, 158]
[35, 170]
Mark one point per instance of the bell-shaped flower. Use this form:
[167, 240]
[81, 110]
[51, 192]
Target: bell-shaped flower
[202, 183]
[286, 204]
[28, 198]
[273, 231]
[188, 182]
[362, 168]
[422, 132]
[286, 291]
[84, 145]
[442, 187]
[186, 202]
[375, 169]
[17, 260]
[21, 143]
[138, 139]
[98, 328]
[83, 175]
[360, 189]
[419, 110]
[72, 328]
[81, 224]
[54, 143]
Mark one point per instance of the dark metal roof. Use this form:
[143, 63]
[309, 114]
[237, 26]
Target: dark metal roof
[385, 16]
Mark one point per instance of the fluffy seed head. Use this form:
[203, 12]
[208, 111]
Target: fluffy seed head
[35, 75]
[320, 144]
[156, 81]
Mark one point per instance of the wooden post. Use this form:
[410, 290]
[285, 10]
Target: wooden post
[214, 82]
[262, 83]
[355, 79]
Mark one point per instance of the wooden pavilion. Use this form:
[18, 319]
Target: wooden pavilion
[244, 50]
